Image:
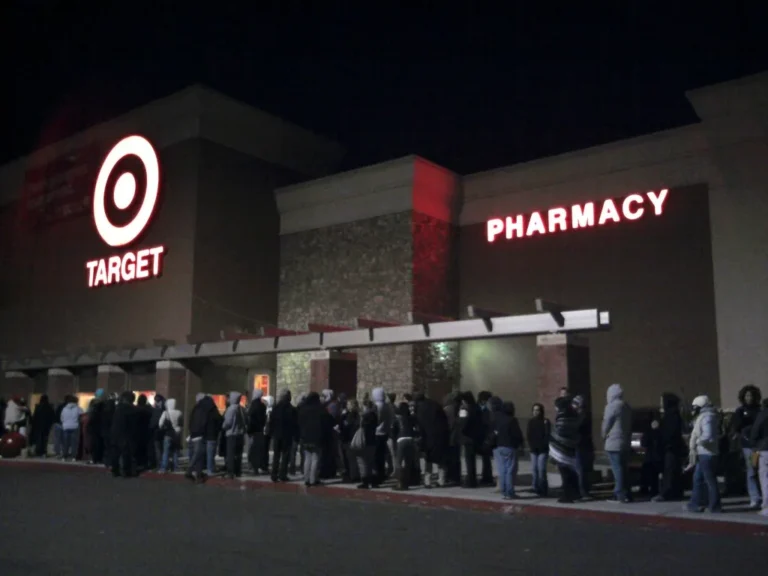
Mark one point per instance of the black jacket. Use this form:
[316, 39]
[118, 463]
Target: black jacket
[506, 428]
[315, 424]
[369, 421]
[758, 436]
[43, 418]
[350, 423]
[538, 435]
[201, 419]
[742, 421]
[284, 424]
[123, 423]
[257, 417]
[404, 425]
[433, 424]
[472, 428]
[671, 426]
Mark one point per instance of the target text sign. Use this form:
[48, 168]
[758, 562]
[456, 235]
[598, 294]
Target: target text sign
[133, 264]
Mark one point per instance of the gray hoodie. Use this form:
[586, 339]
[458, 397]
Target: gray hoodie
[617, 421]
[234, 418]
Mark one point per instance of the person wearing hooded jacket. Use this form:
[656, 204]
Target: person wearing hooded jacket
[486, 448]
[433, 424]
[121, 436]
[741, 426]
[507, 441]
[257, 420]
[315, 427]
[758, 439]
[538, 434]
[234, 425]
[42, 422]
[702, 456]
[155, 439]
[285, 430]
[617, 434]
[385, 416]
[269, 402]
[70, 424]
[94, 427]
[201, 425]
[170, 423]
[672, 448]
[472, 436]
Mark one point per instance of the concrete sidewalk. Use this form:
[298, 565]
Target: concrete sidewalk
[735, 520]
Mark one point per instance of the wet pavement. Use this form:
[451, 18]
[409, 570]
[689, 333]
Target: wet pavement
[76, 520]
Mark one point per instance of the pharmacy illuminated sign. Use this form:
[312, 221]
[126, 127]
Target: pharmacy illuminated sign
[130, 265]
[577, 216]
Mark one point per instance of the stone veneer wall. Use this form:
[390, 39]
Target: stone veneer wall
[336, 274]
[436, 368]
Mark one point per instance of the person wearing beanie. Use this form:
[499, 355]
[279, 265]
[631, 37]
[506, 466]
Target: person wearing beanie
[703, 451]
[617, 434]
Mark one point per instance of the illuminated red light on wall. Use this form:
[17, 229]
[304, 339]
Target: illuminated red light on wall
[586, 215]
[139, 265]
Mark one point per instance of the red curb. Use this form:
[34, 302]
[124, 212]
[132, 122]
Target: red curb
[715, 527]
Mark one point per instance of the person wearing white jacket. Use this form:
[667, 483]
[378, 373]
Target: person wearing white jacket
[170, 424]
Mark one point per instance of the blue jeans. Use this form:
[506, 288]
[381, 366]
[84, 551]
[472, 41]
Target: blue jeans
[506, 467]
[70, 438]
[752, 486]
[169, 453]
[539, 470]
[210, 455]
[619, 469]
[705, 491]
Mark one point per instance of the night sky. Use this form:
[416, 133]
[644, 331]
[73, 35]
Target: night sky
[466, 87]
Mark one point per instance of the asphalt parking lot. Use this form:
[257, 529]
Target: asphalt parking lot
[78, 522]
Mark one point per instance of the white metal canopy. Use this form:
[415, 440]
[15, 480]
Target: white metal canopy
[483, 326]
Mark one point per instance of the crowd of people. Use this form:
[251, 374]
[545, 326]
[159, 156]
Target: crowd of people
[418, 440]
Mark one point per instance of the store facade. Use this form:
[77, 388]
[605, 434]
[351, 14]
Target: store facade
[666, 231]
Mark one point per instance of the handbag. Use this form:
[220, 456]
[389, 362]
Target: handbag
[358, 440]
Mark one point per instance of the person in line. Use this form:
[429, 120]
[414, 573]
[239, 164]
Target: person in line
[42, 422]
[315, 426]
[234, 430]
[367, 455]
[257, 420]
[617, 434]
[404, 434]
[486, 448]
[110, 404]
[673, 449]
[741, 427]
[121, 436]
[329, 460]
[350, 424]
[155, 436]
[285, 430]
[508, 441]
[170, 423]
[703, 451]
[269, 402]
[562, 447]
[213, 435]
[585, 451]
[94, 425]
[758, 439]
[472, 436]
[391, 402]
[433, 424]
[70, 424]
[143, 416]
[538, 435]
[385, 417]
[452, 407]
[202, 422]
[653, 457]
[297, 448]
[16, 415]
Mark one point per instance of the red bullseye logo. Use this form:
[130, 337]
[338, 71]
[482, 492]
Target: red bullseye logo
[142, 264]
[125, 191]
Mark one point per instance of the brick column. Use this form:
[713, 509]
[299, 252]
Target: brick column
[111, 379]
[171, 382]
[61, 383]
[563, 363]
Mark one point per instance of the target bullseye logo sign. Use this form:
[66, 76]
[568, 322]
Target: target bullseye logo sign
[119, 187]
